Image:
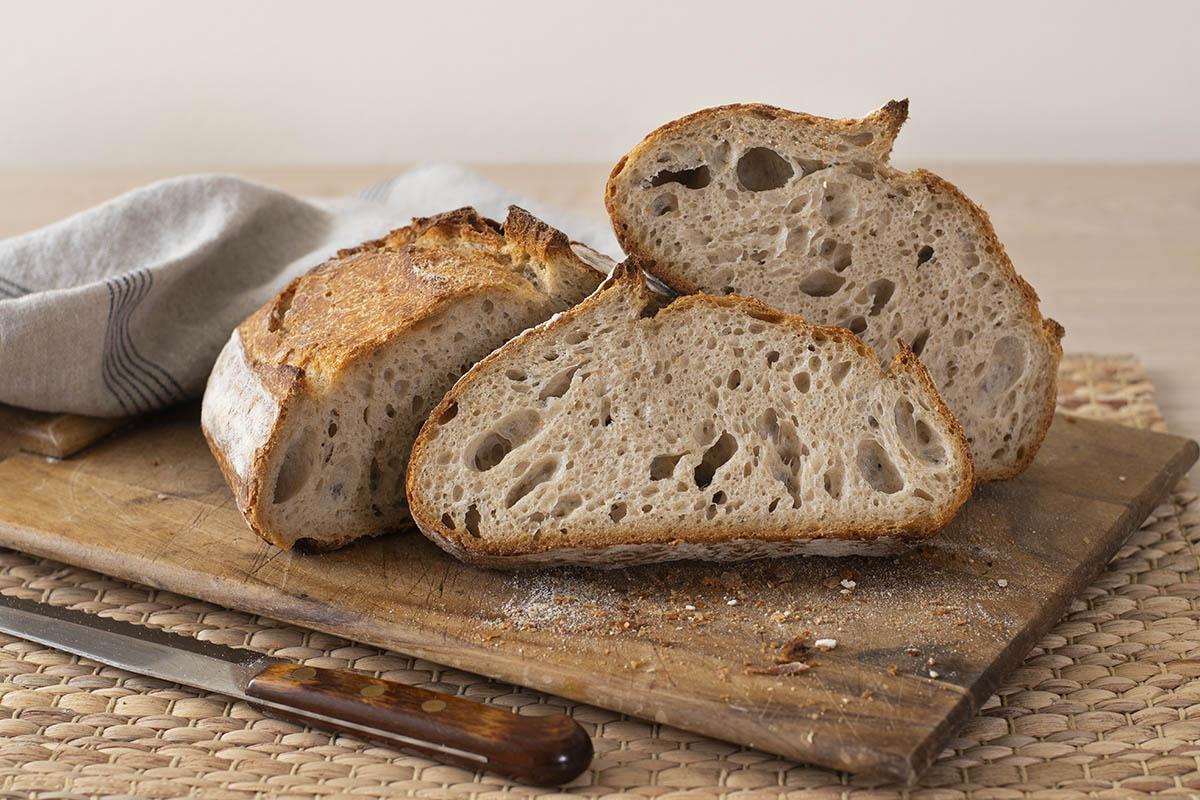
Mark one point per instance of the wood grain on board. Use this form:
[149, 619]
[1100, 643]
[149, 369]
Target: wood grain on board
[922, 639]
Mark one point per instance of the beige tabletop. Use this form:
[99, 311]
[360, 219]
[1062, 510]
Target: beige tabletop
[1113, 250]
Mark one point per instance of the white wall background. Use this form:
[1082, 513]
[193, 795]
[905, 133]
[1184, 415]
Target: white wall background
[233, 82]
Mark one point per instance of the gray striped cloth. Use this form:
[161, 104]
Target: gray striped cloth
[123, 308]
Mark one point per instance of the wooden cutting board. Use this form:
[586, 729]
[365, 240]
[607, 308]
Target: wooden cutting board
[922, 639]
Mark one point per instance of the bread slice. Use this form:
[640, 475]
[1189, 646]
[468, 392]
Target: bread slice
[314, 402]
[624, 432]
[805, 214]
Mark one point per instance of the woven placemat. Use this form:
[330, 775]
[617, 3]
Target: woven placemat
[1107, 704]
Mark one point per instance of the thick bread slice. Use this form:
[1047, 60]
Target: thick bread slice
[805, 214]
[624, 432]
[314, 402]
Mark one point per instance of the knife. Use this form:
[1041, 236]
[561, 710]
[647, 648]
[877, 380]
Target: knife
[544, 751]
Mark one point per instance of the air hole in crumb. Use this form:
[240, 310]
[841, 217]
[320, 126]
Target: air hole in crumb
[558, 385]
[803, 381]
[565, 505]
[918, 344]
[719, 498]
[921, 493]
[714, 458]
[916, 435]
[576, 336]
[515, 375]
[390, 410]
[449, 413]
[617, 512]
[772, 357]
[509, 432]
[297, 465]
[807, 167]
[879, 292]
[664, 204]
[448, 521]
[821, 283]
[472, 520]
[488, 306]
[735, 379]
[1005, 366]
[374, 473]
[838, 374]
[863, 169]
[832, 482]
[924, 254]
[537, 474]
[877, 468]
[663, 466]
[695, 178]
[605, 412]
[332, 430]
[856, 325]
[859, 139]
[761, 169]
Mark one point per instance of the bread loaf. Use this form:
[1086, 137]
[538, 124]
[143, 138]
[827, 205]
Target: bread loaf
[315, 400]
[806, 214]
[624, 432]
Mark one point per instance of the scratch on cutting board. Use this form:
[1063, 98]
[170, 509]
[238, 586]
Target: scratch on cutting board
[261, 563]
[662, 664]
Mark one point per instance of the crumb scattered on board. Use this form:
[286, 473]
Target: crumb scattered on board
[943, 595]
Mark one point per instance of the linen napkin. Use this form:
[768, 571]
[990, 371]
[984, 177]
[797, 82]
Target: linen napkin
[123, 308]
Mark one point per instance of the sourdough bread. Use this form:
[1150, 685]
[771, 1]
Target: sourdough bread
[806, 214]
[314, 402]
[628, 431]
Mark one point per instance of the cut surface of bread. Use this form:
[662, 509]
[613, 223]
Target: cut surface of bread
[625, 431]
[313, 404]
[806, 214]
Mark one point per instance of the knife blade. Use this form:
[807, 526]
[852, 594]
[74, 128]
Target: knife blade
[545, 751]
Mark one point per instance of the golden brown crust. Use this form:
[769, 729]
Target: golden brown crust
[890, 118]
[628, 275]
[366, 297]
[360, 300]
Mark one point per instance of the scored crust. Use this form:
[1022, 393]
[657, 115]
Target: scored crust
[298, 347]
[674, 543]
[833, 135]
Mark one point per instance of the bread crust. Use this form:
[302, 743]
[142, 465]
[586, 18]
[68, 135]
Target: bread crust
[675, 543]
[306, 337]
[888, 120]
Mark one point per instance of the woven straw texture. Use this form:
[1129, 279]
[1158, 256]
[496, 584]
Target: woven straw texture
[1107, 704]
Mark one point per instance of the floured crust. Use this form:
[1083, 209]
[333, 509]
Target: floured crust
[304, 340]
[884, 124]
[674, 543]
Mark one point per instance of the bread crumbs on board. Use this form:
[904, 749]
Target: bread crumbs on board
[941, 598]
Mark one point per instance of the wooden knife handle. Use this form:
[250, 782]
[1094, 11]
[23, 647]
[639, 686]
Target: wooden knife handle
[545, 751]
